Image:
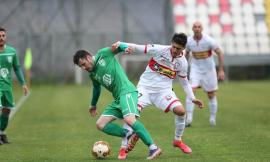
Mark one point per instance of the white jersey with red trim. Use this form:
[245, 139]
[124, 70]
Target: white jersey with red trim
[162, 68]
[202, 58]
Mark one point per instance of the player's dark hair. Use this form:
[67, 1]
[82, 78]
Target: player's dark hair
[2, 29]
[180, 38]
[80, 54]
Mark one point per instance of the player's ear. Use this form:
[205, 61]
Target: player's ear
[88, 58]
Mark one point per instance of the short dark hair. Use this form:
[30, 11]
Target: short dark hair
[2, 29]
[80, 54]
[180, 38]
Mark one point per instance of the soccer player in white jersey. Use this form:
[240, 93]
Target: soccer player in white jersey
[155, 85]
[203, 70]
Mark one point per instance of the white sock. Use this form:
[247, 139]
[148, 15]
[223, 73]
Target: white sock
[153, 146]
[190, 109]
[179, 126]
[124, 141]
[213, 107]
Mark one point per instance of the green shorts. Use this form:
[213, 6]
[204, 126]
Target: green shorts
[6, 99]
[125, 105]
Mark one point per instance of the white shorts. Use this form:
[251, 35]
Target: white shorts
[208, 80]
[165, 100]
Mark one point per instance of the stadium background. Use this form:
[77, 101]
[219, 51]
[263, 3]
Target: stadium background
[55, 29]
[53, 123]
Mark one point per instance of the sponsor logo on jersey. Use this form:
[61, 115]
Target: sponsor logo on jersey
[177, 65]
[9, 59]
[102, 62]
[202, 55]
[107, 79]
[163, 70]
[168, 97]
[4, 72]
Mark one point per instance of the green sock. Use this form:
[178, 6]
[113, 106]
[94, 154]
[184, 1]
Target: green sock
[114, 130]
[141, 131]
[3, 122]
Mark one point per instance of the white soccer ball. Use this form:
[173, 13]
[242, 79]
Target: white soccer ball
[101, 150]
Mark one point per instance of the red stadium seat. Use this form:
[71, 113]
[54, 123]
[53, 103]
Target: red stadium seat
[242, 26]
[227, 28]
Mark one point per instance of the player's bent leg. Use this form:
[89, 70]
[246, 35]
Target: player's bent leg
[103, 120]
[128, 142]
[144, 135]
[139, 129]
[133, 138]
[105, 124]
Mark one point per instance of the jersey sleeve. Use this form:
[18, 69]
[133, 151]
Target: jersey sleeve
[153, 49]
[95, 93]
[17, 69]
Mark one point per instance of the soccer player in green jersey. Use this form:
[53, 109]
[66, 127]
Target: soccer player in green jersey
[8, 61]
[105, 70]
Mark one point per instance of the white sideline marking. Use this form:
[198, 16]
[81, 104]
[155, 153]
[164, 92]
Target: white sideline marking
[19, 104]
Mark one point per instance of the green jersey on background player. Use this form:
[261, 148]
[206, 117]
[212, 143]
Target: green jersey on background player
[8, 61]
[105, 70]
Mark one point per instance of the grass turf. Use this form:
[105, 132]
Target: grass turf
[54, 125]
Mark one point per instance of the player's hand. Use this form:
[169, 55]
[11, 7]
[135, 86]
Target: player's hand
[198, 102]
[129, 50]
[25, 89]
[221, 75]
[115, 46]
[93, 111]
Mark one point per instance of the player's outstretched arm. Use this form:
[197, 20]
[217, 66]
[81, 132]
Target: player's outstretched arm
[121, 47]
[128, 48]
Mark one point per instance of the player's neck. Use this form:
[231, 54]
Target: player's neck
[198, 37]
[2, 47]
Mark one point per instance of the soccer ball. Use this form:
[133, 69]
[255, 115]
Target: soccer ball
[101, 150]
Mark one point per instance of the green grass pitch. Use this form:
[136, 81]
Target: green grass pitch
[54, 125]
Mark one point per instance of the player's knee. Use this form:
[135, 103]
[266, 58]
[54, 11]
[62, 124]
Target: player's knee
[130, 119]
[180, 111]
[100, 125]
[211, 94]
